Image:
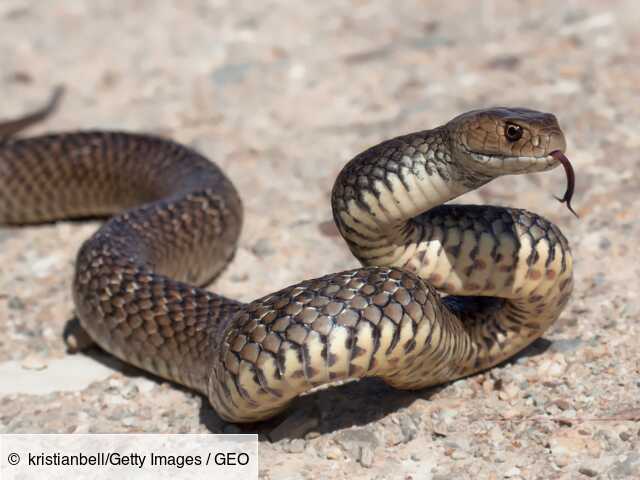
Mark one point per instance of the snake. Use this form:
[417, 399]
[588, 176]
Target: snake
[445, 290]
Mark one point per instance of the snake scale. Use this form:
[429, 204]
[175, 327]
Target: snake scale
[176, 223]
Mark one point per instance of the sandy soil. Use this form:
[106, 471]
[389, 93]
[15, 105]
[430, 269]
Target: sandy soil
[281, 95]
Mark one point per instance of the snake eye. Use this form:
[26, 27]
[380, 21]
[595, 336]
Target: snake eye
[513, 132]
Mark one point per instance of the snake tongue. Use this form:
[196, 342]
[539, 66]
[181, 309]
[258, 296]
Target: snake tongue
[571, 179]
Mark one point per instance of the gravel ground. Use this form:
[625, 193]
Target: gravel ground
[281, 95]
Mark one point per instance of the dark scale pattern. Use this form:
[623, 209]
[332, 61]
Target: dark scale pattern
[177, 222]
[381, 320]
[419, 149]
[187, 230]
[496, 222]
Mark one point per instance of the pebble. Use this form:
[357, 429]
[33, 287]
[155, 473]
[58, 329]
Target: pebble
[496, 436]
[129, 421]
[624, 436]
[563, 404]
[15, 303]
[366, 457]
[552, 367]
[333, 452]
[354, 440]
[76, 338]
[439, 429]
[459, 454]
[408, 428]
[500, 457]
[129, 391]
[509, 391]
[34, 362]
[263, 248]
[512, 472]
[588, 471]
[297, 445]
[239, 277]
[44, 265]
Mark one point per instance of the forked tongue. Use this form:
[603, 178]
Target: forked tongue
[571, 179]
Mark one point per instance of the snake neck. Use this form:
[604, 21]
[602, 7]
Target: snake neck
[508, 271]
[379, 194]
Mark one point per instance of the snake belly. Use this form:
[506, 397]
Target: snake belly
[175, 226]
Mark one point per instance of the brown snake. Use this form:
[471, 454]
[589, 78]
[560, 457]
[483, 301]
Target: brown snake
[508, 272]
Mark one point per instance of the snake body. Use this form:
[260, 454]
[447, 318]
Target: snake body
[508, 272]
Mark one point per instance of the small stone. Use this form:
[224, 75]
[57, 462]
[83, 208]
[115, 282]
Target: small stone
[448, 415]
[239, 277]
[129, 391]
[34, 362]
[588, 471]
[354, 440]
[408, 428]
[458, 454]
[439, 429]
[263, 248]
[552, 367]
[76, 337]
[115, 384]
[624, 436]
[15, 303]
[44, 265]
[512, 472]
[604, 243]
[488, 386]
[129, 421]
[509, 391]
[366, 457]
[511, 413]
[496, 436]
[500, 457]
[297, 445]
[333, 453]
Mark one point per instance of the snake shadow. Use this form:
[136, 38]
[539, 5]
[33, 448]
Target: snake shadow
[338, 407]
[326, 410]
[332, 408]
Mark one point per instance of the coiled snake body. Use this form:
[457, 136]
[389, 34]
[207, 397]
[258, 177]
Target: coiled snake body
[508, 271]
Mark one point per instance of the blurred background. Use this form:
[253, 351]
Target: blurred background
[281, 94]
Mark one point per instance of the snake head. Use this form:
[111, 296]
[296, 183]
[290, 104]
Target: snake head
[500, 141]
